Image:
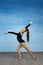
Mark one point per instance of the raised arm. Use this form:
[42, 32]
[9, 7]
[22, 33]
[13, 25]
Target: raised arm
[28, 24]
[11, 33]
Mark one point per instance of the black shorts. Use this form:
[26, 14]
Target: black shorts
[21, 41]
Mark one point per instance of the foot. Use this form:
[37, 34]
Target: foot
[20, 59]
[34, 57]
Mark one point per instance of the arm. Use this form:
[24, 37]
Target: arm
[25, 29]
[28, 25]
[11, 33]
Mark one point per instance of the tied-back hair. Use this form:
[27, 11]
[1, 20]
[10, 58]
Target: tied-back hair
[27, 35]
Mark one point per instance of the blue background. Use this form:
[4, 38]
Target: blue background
[16, 14]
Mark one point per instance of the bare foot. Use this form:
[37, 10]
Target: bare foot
[34, 57]
[20, 59]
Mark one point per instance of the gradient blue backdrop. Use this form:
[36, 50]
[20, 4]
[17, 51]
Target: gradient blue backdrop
[16, 14]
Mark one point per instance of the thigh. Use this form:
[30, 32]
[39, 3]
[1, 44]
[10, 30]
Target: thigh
[19, 46]
[25, 46]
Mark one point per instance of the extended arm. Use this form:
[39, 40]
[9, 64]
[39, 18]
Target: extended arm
[11, 33]
[28, 25]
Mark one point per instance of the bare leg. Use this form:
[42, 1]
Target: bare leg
[26, 47]
[19, 54]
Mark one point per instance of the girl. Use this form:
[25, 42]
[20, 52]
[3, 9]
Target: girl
[22, 42]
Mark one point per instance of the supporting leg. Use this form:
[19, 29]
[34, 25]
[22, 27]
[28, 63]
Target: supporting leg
[19, 54]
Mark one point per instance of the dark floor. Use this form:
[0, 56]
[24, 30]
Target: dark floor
[11, 59]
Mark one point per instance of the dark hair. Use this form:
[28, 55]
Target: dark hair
[27, 34]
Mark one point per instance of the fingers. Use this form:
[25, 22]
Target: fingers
[6, 33]
[31, 22]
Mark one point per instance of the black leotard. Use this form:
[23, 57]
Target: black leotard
[19, 37]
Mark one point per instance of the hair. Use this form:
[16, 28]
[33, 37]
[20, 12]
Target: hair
[27, 35]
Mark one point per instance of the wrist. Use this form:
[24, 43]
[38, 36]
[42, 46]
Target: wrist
[30, 22]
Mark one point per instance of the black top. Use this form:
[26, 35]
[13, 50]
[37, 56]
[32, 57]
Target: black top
[19, 37]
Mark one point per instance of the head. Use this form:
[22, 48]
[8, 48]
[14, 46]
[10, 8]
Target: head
[27, 32]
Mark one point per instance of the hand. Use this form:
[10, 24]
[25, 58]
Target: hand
[6, 32]
[31, 22]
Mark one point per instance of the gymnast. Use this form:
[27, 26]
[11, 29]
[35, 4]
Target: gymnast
[21, 41]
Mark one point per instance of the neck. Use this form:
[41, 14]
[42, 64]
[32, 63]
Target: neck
[21, 33]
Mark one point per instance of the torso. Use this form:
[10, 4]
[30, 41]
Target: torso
[19, 37]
